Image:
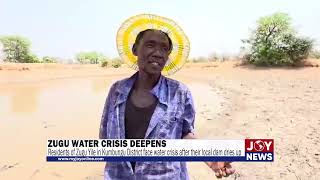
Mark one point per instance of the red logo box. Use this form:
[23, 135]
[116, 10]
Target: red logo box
[259, 145]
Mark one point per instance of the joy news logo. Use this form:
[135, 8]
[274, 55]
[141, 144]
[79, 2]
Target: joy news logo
[259, 149]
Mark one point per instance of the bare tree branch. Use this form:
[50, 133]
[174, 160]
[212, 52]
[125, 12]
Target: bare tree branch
[271, 31]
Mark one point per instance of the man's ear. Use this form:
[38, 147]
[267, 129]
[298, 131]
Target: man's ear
[134, 50]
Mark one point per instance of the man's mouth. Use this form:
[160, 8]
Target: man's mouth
[155, 63]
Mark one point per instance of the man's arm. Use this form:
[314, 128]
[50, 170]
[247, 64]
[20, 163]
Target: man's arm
[220, 168]
[188, 118]
[104, 118]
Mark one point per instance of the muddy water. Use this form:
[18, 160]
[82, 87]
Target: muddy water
[32, 112]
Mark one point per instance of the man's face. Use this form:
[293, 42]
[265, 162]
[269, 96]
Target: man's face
[153, 51]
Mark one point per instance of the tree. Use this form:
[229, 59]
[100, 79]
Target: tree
[90, 57]
[274, 42]
[17, 49]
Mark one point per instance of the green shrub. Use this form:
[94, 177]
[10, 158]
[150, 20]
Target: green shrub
[47, 59]
[104, 64]
[31, 58]
[116, 63]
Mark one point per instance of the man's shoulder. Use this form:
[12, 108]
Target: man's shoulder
[177, 85]
[179, 91]
[119, 83]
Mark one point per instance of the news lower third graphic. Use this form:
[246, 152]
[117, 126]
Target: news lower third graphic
[95, 150]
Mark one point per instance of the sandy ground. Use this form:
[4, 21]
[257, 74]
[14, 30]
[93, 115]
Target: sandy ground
[65, 101]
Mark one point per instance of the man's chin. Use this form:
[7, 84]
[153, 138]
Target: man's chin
[154, 72]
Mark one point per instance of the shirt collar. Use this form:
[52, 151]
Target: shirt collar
[160, 90]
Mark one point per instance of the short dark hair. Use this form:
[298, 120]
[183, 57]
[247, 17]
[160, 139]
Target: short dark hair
[141, 34]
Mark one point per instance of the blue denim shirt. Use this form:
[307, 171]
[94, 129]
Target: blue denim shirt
[172, 119]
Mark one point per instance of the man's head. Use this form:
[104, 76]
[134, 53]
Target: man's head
[152, 47]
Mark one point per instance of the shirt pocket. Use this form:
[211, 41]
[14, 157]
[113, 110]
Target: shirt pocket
[170, 125]
[174, 113]
[170, 117]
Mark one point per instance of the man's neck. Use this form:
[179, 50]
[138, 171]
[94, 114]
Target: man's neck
[146, 81]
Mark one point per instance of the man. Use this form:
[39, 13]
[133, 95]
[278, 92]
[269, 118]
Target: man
[149, 105]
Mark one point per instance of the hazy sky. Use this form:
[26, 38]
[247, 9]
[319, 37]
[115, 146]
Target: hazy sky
[62, 28]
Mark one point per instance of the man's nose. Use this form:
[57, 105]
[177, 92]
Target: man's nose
[158, 54]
